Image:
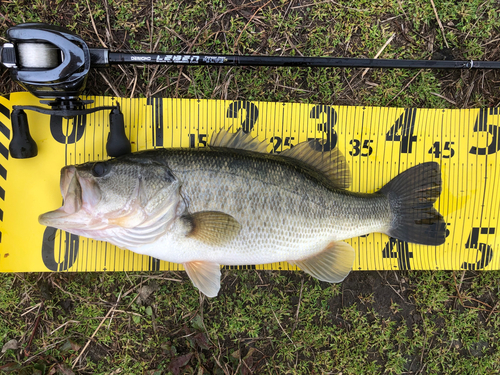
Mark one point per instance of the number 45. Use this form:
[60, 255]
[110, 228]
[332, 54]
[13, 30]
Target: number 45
[446, 153]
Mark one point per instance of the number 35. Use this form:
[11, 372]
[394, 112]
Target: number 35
[356, 147]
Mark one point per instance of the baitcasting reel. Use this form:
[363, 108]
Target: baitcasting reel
[52, 63]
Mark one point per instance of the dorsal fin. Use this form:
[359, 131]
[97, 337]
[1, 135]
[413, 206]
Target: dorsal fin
[239, 140]
[330, 164]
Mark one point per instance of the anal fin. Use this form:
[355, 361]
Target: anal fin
[205, 276]
[333, 264]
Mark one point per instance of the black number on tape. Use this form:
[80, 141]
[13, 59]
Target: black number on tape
[356, 147]
[402, 253]
[59, 129]
[402, 131]
[70, 250]
[202, 140]
[485, 249]
[481, 125]
[446, 153]
[327, 113]
[278, 141]
[252, 114]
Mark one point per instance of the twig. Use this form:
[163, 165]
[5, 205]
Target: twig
[439, 23]
[226, 372]
[491, 312]
[43, 351]
[298, 307]
[156, 277]
[6, 18]
[63, 325]
[68, 293]
[110, 85]
[110, 34]
[94, 26]
[275, 317]
[444, 97]
[474, 307]
[404, 88]
[27, 350]
[127, 312]
[490, 42]
[135, 84]
[248, 23]
[91, 337]
[478, 301]
[31, 309]
[459, 286]
[331, 2]
[394, 290]
[379, 52]
[116, 304]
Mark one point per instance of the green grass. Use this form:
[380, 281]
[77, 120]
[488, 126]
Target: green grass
[267, 322]
[274, 322]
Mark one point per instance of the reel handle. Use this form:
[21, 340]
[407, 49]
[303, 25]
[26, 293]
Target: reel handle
[117, 143]
[22, 145]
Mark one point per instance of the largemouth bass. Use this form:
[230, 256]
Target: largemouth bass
[234, 204]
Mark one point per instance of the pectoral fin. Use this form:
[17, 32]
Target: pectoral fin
[332, 265]
[205, 276]
[211, 227]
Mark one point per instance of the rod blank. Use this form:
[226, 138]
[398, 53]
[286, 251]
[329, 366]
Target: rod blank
[102, 57]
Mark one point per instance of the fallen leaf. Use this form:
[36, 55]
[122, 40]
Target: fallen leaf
[9, 367]
[248, 362]
[176, 364]
[201, 340]
[64, 369]
[146, 290]
[197, 323]
[70, 345]
[11, 344]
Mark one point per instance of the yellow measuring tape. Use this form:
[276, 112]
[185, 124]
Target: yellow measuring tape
[378, 143]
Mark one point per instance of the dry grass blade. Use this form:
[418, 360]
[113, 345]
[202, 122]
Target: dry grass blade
[439, 23]
[110, 311]
[94, 26]
[387, 42]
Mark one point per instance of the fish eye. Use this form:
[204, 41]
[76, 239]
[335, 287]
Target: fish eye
[99, 169]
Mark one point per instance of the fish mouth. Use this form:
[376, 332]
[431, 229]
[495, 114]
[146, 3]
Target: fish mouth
[78, 200]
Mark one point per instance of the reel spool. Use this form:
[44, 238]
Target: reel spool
[38, 55]
[52, 63]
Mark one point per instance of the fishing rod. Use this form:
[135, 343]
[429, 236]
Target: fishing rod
[53, 64]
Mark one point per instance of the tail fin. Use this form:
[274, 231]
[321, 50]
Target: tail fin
[411, 197]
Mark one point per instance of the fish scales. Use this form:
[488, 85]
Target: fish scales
[284, 213]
